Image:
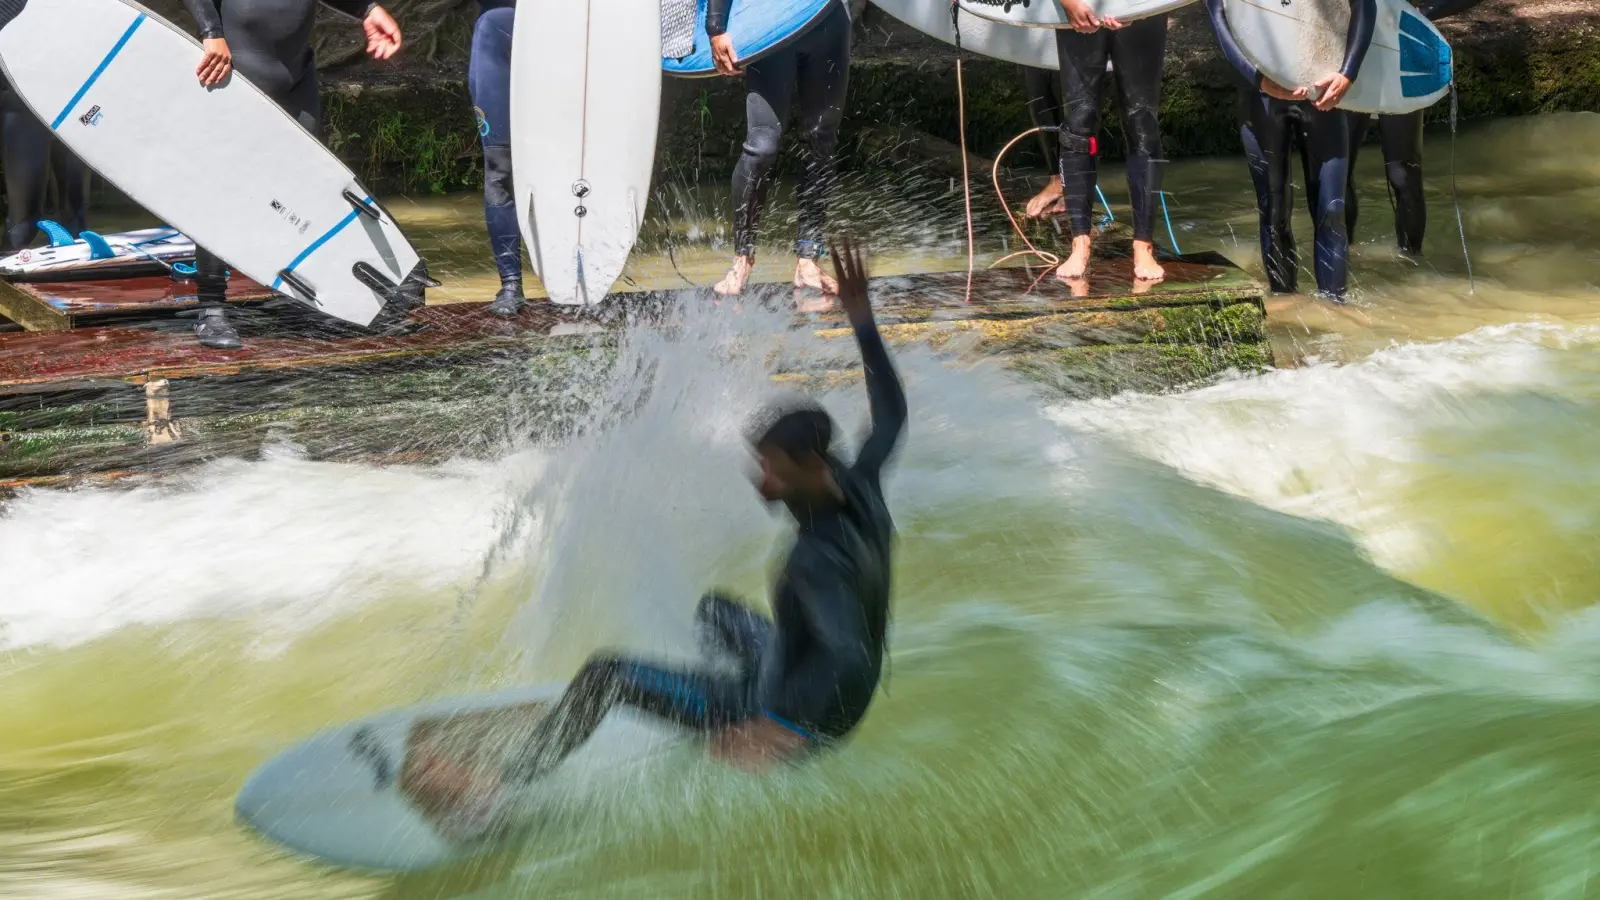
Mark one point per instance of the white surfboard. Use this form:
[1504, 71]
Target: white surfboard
[91, 255]
[1049, 14]
[347, 796]
[225, 166]
[1298, 42]
[585, 101]
[1024, 46]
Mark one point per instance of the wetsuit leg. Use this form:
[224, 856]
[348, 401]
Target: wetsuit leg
[737, 629]
[26, 144]
[1265, 132]
[1137, 52]
[1328, 142]
[1402, 163]
[1083, 72]
[1360, 124]
[766, 109]
[698, 700]
[489, 78]
[1043, 89]
[822, 73]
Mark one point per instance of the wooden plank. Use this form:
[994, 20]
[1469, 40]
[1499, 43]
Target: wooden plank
[129, 354]
[62, 305]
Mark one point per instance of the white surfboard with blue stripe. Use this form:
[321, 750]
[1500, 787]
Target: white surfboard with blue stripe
[1297, 42]
[225, 166]
[349, 795]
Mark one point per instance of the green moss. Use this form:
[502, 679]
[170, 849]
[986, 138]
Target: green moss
[417, 139]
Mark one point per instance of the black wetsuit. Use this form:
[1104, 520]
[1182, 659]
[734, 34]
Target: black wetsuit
[815, 70]
[29, 152]
[1266, 126]
[271, 45]
[1401, 138]
[815, 666]
[489, 78]
[1043, 89]
[1137, 52]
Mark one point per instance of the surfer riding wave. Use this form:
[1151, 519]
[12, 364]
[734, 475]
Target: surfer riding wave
[803, 679]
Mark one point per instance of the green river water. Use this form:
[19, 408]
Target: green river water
[1324, 632]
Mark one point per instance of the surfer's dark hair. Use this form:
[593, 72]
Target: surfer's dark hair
[800, 431]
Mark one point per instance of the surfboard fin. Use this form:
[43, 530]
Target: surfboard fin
[363, 205]
[300, 286]
[98, 248]
[59, 236]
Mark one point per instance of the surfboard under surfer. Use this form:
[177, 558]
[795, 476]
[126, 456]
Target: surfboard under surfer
[268, 42]
[815, 71]
[803, 678]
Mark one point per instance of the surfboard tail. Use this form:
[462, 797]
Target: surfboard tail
[1426, 66]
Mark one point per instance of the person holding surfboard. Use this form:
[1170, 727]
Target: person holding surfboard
[805, 677]
[1400, 135]
[268, 42]
[30, 151]
[1268, 113]
[815, 69]
[1137, 50]
[489, 80]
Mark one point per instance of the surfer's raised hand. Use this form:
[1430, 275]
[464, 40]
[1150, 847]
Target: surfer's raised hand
[1331, 90]
[850, 271]
[1081, 16]
[724, 56]
[383, 33]
[1273, 89]
[216, 63]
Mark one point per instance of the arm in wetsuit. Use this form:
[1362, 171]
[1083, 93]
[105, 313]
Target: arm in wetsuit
[717, 17]
[884, 393]
[207, 16]
[1230, 47]
[1363, 17]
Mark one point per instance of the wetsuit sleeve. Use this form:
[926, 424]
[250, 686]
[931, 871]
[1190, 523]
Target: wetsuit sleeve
[717, 17]
[1363, 16]
[1439, 9]
[207, 17]
[1230, 47]
[886, 397]
[355, 9]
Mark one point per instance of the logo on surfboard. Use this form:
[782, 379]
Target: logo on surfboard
[92, 117]
[294, 220]
[580, 189]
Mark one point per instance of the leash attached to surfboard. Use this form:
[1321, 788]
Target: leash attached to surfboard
[961, 121]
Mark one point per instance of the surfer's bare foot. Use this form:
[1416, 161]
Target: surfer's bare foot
[1047, 202]
[732, 284]
[1145, 267]
[1078, 286]
[754, 746]
[807, 274]
[1077, 264]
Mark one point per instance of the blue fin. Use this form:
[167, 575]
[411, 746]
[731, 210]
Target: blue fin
[98, 248]
[59, 236]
